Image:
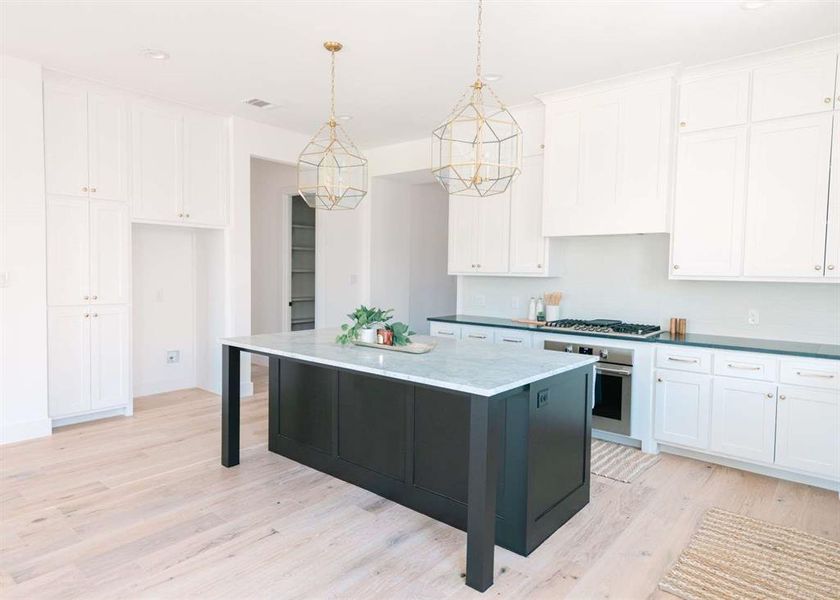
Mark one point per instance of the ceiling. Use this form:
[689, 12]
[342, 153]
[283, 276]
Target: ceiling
[404, 64]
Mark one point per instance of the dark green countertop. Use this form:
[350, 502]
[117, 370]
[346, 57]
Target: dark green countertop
[829, 351]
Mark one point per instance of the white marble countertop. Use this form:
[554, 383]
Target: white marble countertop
[466, 366]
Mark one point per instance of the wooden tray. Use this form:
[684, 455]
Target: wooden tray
[412, 348]
[529, 322]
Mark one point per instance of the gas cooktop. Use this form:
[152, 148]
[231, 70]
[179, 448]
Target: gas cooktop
[607, 326]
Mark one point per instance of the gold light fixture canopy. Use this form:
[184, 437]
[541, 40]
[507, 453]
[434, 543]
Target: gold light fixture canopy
[477, 151]
[332, 173]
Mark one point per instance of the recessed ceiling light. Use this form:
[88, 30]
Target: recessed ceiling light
[155, 54]
[492, 77]
[753, 4]
[344, 117]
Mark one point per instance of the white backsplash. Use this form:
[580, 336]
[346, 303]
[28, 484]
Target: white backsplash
[626, 277]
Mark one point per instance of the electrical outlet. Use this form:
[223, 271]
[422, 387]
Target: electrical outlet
[542, 398]
[173, 356]
[752, 316]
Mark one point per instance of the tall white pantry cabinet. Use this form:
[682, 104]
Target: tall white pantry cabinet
[88, 250]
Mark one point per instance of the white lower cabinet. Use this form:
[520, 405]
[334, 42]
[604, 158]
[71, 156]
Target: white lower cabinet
[88, 359]
[477, 334]
[743, 419]
[682, 405]
[513, 336]
[808, 430]
[445, 330]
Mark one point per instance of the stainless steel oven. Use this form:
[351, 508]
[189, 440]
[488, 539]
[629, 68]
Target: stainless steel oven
[613, 378]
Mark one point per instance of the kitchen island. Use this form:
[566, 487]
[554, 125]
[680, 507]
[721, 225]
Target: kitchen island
[489, 439]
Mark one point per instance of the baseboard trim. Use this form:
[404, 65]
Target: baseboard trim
[19, 432]
[819, 482]
[120, 411]
[161, 387]
[616, 438]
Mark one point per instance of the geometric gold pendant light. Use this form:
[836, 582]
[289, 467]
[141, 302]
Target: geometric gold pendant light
[477, 150]
[332, 173]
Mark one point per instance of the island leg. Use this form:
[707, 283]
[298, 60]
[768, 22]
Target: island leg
[230, 406]
[485, 429]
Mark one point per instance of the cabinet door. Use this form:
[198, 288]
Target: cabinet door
[683, 402]
[527, 245]
[744, 419]
[808, 431]
[720, 101]
[158, 165]
[832, 243]
[531, 121]
[109, 360]
[69, 360]
[68, 251]
[794, 87]
[108, 140]
[65, 140]
[493, 239]
[463, 226]
[109, 252]
[205, 194]
[607, 162]
[787, 197]
[707, 232]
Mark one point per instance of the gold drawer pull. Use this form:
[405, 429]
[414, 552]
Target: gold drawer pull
[684, 360]
[820, 375]
[742, 367]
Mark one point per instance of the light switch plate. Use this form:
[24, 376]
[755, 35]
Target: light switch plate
[173, 356]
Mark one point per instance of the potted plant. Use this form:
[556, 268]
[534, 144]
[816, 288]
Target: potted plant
[364, 324]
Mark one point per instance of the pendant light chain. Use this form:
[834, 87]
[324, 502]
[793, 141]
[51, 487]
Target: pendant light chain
[332, 86]
[478, 50]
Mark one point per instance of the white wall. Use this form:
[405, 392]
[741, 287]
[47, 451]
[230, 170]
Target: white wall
[625, 277]
[164, 308]
[23, 296]
[432, 291]
[408, 251]
[270, 184]
[209, 307]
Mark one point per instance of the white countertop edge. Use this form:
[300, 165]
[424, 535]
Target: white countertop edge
[467, 389]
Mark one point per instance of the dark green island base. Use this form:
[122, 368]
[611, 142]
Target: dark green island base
[508, 469]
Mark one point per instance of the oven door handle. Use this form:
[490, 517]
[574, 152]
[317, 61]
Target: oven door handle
[609, 371]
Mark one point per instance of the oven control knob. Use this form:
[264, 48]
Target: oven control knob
[570, 348]
[603, 353]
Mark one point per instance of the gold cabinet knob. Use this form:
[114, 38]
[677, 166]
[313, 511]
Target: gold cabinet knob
[818, 267]
[87, 315]
[93, 297]
[95, 314]
[827, 100]
[542, 146]
[187, 215]
[539, 266]
[782, 397]
[181, 215]
[770, 394]
[93, 189]
[659, 379]
[682, 123]
[86, 297]
[84, 188]
[676, 267]
[830, 267]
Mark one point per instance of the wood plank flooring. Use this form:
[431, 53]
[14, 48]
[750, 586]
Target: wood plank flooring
[140, 507]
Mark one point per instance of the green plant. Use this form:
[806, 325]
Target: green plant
[363, 318]
[401, 333]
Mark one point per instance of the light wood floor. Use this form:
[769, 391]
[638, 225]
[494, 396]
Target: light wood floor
[140, 507]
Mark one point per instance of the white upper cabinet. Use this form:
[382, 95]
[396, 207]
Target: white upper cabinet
[531, 121]
[157, 163]
[493, 239]
[463, 228]
[108, 145]
[832, 244]
[794, 87]
[109, 252]
[68, 251]
[607, 157]
[709, 203]
[85, 142]
[787, 197]
[205, 194]
[527, 246]
[806, 430]
[719, 101]
[179, 174]
[65, 140]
